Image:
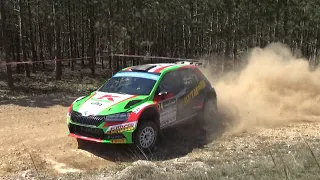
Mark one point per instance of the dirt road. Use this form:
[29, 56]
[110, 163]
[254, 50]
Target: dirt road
[33, 137]
[40, 134]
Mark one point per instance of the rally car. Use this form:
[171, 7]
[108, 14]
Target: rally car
[138, 102]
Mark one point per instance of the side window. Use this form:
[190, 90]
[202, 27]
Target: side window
[189, 78]
[171, 83]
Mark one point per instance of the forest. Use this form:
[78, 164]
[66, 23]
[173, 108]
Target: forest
[87, 31]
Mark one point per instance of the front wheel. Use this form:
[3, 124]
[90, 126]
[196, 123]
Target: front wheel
[146, 136]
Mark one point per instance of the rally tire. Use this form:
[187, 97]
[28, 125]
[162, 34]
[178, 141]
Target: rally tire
[208, 115]
[146, 136]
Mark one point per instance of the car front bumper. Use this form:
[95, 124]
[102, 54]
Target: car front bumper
[114, 134]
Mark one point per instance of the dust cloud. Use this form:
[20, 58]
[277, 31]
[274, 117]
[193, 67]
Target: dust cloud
[274, 88]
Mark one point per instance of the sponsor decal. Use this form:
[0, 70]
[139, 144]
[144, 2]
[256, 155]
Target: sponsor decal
[160, 106]
[109, 97]
[121, 128]
[115, 136]
[138, 109]
[115, 141]
[96, 103]
[85, 113]
[168, 111]
[195, 92]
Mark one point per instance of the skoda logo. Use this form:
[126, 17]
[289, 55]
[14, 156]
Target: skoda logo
[85, 113]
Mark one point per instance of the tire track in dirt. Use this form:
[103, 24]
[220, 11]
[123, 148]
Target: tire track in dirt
[41, 133]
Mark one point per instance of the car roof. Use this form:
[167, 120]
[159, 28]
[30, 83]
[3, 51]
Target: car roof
[160, 67]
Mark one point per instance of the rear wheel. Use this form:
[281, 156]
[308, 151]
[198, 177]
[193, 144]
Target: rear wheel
[208, 115]
[146, 136]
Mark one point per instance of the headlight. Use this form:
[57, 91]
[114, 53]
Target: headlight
[117, 117]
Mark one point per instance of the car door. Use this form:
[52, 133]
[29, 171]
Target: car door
[191, 101]
[172, 87]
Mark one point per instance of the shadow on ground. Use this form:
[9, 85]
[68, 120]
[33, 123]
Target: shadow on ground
[177, 142]
[40, 101]
[41, 96]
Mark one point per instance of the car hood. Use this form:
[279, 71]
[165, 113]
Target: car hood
[101, 103]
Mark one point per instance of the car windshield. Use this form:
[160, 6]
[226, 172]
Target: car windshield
[134, 83]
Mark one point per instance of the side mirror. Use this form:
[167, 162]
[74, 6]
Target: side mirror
[163, 93]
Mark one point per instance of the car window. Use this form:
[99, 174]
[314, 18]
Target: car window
[171, 83]
[128, 85]
[189, 78]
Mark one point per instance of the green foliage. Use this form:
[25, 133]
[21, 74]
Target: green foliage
[176, 28]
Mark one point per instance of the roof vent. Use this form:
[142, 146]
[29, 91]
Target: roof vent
[145, 67]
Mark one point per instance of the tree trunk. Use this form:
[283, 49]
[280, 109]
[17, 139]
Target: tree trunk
[92, 37]
[70, 35]
[22, 33]
[18, 52]
[32, 40]
[40, 29]
[82, 37]
[317, 53]
[58, 64]
[5, 43]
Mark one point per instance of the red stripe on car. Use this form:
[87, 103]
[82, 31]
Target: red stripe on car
[108, 96]
[160, 69]
[125, 100]
[188, 66]
[85, 138]
[112, 123]
[135, 116]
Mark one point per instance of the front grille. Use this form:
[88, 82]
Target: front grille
[96, 133]
[86, 131]
[77, 117]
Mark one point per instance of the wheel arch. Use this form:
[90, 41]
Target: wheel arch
[211, 94]
[150, 113]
